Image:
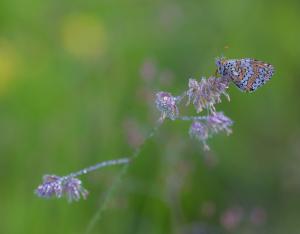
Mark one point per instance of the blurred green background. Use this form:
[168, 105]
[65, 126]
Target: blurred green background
[77, 82]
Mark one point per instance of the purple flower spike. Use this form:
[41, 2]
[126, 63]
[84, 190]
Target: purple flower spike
[51, 187]
[73, 189]
[209, 126]
[219, 122]
[204, 94]
[55, 186]
[166, 104]
[200, 131]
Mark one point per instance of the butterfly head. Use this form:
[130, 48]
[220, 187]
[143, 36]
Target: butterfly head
[220, 66]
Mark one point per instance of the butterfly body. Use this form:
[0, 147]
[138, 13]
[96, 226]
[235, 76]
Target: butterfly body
[247, 74]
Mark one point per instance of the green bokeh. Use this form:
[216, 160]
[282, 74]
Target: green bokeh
[65, 103]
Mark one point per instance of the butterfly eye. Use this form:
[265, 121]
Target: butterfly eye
[218, 62]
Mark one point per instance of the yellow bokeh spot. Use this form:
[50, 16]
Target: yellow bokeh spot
[83, 36]
[8, 64]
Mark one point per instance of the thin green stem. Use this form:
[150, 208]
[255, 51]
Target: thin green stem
[99, 165]
[192, 118]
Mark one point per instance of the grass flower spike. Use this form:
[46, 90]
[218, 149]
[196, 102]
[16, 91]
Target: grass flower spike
[204, 94]
[167, 105]
[58, 187]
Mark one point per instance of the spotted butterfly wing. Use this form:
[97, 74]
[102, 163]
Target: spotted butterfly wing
[247, 74]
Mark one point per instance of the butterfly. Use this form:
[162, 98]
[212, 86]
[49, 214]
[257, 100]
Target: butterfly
[247, 74]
